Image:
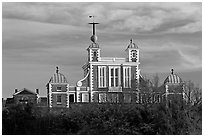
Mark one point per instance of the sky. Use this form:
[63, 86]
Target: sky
[37, 37]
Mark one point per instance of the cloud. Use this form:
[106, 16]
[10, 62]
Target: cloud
[131, 17]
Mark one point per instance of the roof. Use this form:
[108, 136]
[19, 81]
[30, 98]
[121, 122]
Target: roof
[172, 79]
[132, 45]
[58, 78]
[25, 91]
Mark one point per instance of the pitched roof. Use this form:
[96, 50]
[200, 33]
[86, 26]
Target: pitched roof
[25, 91]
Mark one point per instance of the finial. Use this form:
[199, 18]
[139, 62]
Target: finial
[57, 69]
[93, 37]
[172, 71]
[131, 40]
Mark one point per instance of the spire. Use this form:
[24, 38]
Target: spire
[172, 71]
[57, 69]
[93, 37]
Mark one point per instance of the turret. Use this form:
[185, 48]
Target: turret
[132, 52]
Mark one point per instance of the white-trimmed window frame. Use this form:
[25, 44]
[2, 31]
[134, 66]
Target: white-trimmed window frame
[114, 76]
[101, 76]
[100, 98]
[57, 88]
[59, 102]
[127, 70]
[73, 95]
[83, 95]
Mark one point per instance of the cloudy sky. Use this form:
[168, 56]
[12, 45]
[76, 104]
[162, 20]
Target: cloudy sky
[37, 37]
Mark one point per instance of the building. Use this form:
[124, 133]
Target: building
[25, 96]
[58, 91]
[106, 79]
[174, 87]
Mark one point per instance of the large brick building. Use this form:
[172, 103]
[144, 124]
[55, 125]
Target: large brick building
[107, 79]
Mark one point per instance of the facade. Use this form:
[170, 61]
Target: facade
[25, 96]
[106, 79]
[109, 79]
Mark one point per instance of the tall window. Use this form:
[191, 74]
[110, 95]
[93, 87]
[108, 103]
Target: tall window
[59, 99]
[127, 77]
[102, 97]
[102, 76]
[85, 97]
[71, 98]
[114, 77]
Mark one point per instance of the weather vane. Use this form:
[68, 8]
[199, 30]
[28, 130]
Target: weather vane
[92, 17]
[93, 37]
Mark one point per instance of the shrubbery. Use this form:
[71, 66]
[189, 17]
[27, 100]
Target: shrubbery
[104, 119]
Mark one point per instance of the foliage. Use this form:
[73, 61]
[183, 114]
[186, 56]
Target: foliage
[104, 119]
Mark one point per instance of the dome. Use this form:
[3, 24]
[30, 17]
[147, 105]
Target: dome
[173, 79]
[58, 78]
[132, 45]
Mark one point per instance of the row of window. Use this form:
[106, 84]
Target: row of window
[128, 98]
[114, 76]
[114, 98]
[85, 98]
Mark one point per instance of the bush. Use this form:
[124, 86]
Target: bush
[104, 119]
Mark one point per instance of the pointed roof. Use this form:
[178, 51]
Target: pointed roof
[25, 91]
[132, 45]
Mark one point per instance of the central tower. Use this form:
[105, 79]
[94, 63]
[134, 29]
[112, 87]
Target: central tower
[93, 49]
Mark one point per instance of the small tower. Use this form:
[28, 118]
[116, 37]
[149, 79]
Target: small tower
[93, 49]
[173, 87]
[58, 90]
[132, 52]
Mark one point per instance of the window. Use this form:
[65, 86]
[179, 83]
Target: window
[133, 54]
[85, 97]
[102, 97]
[127, 98]
[59, 88]
[59, 99]
[157, 98]
[102, 76]
[95, 54]
[71, 98]
[127, 77]
[114, 77]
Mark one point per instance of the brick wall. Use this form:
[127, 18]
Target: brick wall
[63, 103]
[54, 87]
[30, 98]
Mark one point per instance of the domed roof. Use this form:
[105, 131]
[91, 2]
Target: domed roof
[173, 79]
[58, 78]
[132, 45]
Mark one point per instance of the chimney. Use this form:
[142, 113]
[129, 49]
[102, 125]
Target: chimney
[37, 91]
[16, 90]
